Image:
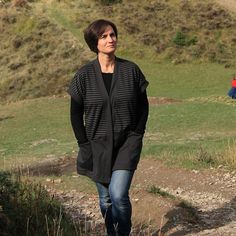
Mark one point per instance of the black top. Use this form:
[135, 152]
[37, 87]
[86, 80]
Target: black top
[107, 79]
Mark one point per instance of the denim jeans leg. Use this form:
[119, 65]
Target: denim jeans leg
[121, 206]
[105, 206]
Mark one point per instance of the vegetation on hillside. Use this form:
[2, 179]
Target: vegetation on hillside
[37, 56]
[42, 43]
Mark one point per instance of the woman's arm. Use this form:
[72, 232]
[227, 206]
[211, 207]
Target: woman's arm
[142, 114]
[77, 121]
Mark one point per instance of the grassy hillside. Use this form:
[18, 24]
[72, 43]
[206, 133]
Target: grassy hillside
[42, 42]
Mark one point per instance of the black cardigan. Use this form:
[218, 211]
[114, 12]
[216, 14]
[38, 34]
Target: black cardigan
[111, 119]
[77, 112]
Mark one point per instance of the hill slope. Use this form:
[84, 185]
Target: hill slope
[42, 43]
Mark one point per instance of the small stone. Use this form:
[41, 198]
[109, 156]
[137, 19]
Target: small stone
[57, 181]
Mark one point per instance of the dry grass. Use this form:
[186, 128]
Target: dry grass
[38, 57]
[42, 42]
[229, 157]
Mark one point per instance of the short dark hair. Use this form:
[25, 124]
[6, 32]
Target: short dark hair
[95, 30]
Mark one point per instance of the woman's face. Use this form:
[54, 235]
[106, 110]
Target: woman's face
[107, 41]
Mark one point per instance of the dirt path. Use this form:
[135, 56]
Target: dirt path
[186, 202]
[205, 202]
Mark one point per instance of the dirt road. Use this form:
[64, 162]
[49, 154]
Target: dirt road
[173, 200]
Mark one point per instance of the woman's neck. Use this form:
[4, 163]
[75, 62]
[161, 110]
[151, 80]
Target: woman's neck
[107, 63]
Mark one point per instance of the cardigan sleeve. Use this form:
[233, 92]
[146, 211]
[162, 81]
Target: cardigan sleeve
[76, 88]
[77, 122]
[143, 83]
[142, 112]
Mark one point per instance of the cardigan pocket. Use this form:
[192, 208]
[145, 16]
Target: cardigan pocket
[135, 143]
[129, 153]
[85, 157]
[101, 158]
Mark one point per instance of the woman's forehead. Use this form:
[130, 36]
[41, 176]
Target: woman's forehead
[107, 29]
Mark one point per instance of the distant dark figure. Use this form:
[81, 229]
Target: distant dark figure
[232, 91]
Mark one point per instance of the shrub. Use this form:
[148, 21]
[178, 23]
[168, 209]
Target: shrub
[109, 2]
[181, 39]
[29, 210]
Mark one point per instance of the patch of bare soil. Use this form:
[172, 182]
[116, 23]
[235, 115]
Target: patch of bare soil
[191, 202]
[205, 202]
[161, 100]
[229, 4]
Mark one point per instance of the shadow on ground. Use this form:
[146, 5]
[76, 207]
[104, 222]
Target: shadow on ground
[6, 118]
[196, 221]
[55, 167]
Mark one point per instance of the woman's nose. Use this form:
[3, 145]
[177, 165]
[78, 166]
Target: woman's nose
[110, 39]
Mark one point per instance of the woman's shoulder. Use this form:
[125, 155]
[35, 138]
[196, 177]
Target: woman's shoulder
[86, 66]
[127, 63]
[84, 69]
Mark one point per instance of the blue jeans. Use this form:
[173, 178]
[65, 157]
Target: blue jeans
[232, 93]
[115, 203]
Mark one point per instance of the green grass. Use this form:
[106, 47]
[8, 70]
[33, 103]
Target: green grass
[203, 119]
[40, 128]
[158, 191]
[191, 120]
[186, 80]
[36, 128]
[62, 20]
[191, 134]
[26, 26]
[185, 133]
[68, 182]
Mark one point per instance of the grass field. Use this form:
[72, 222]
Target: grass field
[198, 129]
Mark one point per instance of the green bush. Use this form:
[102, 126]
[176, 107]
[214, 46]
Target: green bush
[109, 2]
[27, 209]
[181, 39]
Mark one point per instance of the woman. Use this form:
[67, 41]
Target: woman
[109, 110]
